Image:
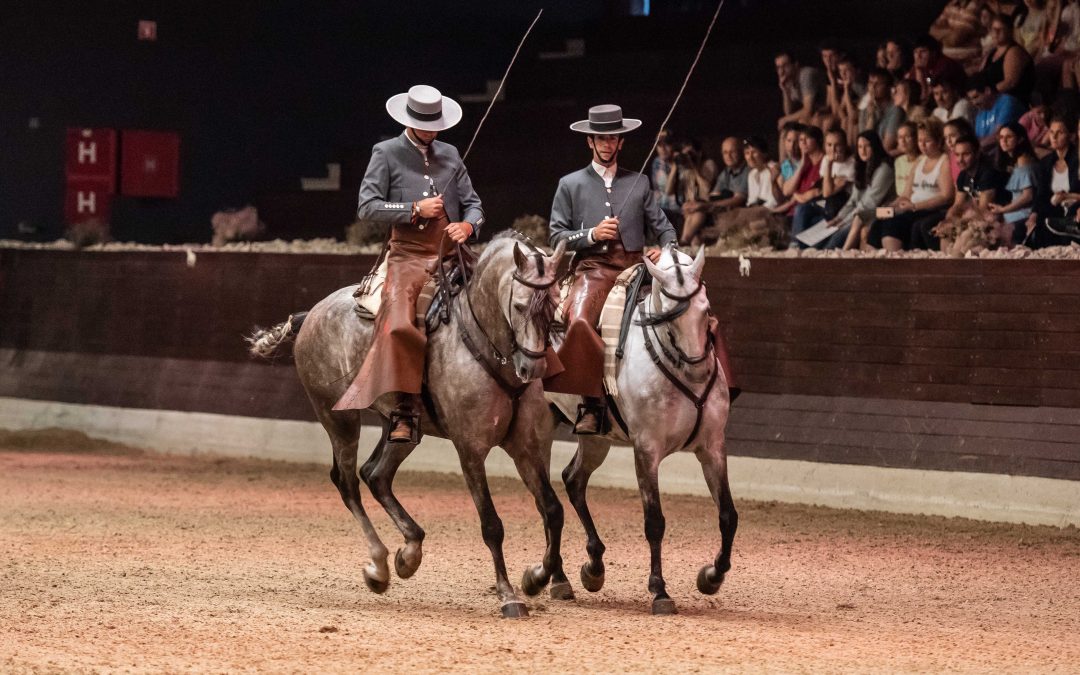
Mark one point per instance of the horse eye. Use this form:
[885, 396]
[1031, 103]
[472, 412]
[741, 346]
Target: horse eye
[520, 306]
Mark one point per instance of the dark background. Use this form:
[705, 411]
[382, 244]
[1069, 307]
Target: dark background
[263, 93]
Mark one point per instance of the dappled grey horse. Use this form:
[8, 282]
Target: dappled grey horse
[671, 396]
[482, 389]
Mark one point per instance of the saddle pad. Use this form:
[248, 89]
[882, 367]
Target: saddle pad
[367, 305]
[611, 323]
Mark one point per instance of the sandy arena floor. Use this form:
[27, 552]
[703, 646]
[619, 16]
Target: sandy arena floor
[118, 560]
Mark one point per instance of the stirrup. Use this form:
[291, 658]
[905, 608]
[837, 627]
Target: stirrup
[602, 425]
[414, 427]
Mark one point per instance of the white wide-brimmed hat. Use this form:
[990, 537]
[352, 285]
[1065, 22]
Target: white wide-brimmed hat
[424, 108]
[605, 119]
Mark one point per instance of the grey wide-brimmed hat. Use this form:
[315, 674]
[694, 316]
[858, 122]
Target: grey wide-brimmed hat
[605, 119]
[424, 108]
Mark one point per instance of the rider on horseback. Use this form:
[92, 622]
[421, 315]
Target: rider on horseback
[625, 213]
[421, 189]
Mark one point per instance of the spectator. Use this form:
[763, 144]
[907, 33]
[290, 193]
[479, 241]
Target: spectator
[897, 58]
[881, 59]
[872, 186]
[950, 104]
[790, 155]
[994, 109]
[954, 130]
[663, 169]
[1036, 123]
[837, 177]
[1008, 69]
[1057, 191]
[802, 90]
[1033, 25]
[1015, 158]
[810, 183]
[877, 111]
[903, 163]
[958, 29]
[690, 184]
[754, 224]
[967, 221]
[926, 196]
[731, 187]
[1068, 42]
[931, 66]
[905, 96]
[845, 105]
[987, 41]
[805, 186]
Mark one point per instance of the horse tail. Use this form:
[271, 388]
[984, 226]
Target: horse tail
[264, 343]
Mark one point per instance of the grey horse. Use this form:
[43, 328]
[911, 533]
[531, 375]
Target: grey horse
[671, 396]
[483, 389]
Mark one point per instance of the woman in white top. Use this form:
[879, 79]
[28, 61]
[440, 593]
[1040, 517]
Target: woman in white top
[754, 224]
[925, 198]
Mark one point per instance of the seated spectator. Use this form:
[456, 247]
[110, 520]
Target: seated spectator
[1036, 123]
[881, 60]
[969, 223]
[907, 143]
[806, 184]
[1008, 69]
[897, 58]
[950, 104]
[837, 172]
[993, 109]
[662, 170]
[790, 155]
[926, 197]
[877, 111]
[958, 29]
[905, 96]
[1033, 25]
[1057, 190]
[1067, 38]
[851, 91]
[1015, 158]
[873, 185]
[931, 66]
[729, 191]
[754, 225]
[690, 184]
[802, 90]
[953, 130]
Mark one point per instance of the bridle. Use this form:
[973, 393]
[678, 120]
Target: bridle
[652, 320]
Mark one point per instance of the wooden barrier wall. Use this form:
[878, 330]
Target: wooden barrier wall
[940, 364]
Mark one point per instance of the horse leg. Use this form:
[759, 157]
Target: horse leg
[378, 473]
[646, 464]
[343, 474]
[714, 466]
[491, 527]
[591, 453]
[534, 473]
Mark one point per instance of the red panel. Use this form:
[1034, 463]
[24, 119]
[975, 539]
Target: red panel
[87, 199]
[91, 153]
[149, 163]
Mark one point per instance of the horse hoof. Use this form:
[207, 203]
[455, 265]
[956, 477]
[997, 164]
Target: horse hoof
[403, 569]
[530, 580]
[705, 584]
[514, 610]
[562, 591]
[374, 585]
[663, 606]
[590, 582]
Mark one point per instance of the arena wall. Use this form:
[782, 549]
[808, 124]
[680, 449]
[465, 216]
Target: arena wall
[966, 366]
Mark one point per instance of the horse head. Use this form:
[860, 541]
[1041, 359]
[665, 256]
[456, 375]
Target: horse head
[678, 301]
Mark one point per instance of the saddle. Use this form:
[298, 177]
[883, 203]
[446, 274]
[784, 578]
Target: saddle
[433, 303]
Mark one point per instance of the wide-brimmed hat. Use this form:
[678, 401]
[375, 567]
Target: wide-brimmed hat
[605, 119]
[424, 108]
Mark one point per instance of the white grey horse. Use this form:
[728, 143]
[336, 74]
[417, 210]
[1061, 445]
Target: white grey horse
[672, 396]
[478, 397]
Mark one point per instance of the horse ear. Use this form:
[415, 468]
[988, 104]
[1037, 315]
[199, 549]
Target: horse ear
[560, 251]
[699, 263]
[654, 271]
[519, 257]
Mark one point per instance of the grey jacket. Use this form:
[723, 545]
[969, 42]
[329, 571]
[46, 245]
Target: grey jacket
[397, 176]
[581, 203]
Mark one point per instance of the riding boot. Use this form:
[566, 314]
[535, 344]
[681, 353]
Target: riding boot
[405, 420]
[591, 415]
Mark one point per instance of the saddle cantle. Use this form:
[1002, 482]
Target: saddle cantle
[369, 296]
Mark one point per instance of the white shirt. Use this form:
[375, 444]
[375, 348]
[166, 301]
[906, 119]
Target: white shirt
[607, 174]
[962, 108]
[759, 187]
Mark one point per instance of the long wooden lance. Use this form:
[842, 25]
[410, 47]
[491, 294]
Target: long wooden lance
[674, 103]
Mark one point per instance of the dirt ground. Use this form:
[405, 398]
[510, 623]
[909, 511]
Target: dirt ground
[118, 560]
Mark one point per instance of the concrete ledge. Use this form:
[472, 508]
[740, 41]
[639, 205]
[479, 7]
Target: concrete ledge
[993, 497]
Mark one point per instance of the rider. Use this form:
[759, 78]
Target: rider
[625, 212]
[420, 187]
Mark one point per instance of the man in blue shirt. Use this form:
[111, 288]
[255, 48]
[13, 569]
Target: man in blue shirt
[994, 109]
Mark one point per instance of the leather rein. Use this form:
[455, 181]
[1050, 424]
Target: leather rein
[679, 357]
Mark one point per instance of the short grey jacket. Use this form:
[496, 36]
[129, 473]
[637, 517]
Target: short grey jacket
[581, 202]
[397, 176]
